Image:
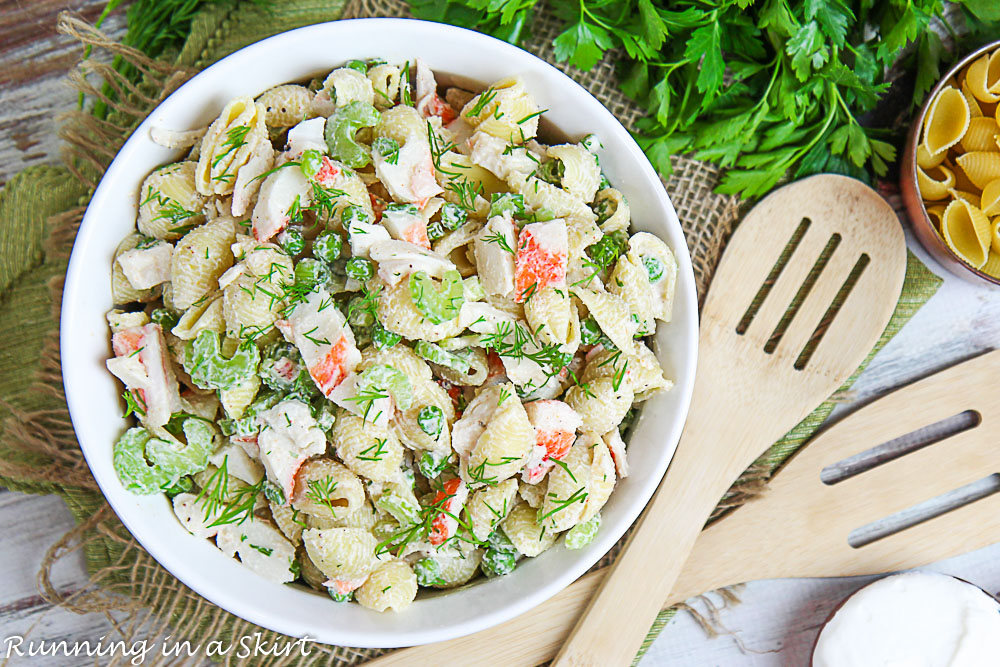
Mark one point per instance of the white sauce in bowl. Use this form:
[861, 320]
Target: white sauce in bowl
[915, 619]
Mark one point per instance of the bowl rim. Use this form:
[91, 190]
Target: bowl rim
[75, 380]
[911, 173]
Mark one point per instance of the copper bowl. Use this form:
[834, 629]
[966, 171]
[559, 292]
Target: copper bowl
[920, 221]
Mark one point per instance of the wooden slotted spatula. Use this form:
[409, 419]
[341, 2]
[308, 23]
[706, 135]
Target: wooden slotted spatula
[800, 528]
[756, 378]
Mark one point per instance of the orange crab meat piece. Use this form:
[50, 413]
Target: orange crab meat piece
[328, 173]
[332, 368]
[540, 261]
[450, 499]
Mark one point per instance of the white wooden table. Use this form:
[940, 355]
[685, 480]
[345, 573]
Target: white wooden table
[777, 621]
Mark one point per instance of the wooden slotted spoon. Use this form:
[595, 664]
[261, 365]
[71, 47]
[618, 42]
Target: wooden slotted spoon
[753, 382]
[800, 528]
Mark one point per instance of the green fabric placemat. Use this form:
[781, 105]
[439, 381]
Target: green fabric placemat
[40, 210]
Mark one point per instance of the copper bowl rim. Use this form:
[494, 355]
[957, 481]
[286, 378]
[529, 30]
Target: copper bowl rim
[911, 148]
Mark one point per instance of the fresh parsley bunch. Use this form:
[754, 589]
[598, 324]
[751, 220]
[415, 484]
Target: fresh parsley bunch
[760, 87]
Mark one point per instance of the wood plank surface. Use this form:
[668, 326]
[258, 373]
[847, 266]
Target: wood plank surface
[33, 62]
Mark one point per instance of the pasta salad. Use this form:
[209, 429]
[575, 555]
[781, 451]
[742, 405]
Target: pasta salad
[375, 336]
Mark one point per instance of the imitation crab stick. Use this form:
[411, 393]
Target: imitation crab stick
[555, 425]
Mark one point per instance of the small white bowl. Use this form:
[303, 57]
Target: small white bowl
[94, 395]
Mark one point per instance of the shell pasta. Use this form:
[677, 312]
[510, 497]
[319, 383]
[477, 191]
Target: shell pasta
[958, 163]
[375, 335]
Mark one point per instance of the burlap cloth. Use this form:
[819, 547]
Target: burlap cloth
[40, 211]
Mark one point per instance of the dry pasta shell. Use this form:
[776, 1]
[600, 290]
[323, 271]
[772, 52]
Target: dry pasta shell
[981, 135]
[992, 265]
[990, 200]
[966, 230]
[935, 183]
[947, 120]
[962, 182]
[974, 108]
[925, 159]
[980, 166]
[936, 214]
[995, 234]
[983, 76]
[965, 195]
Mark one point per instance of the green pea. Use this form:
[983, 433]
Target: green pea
[654, 268]
[435, 230]
[590, 332]
[498, 563]
[352, 214]
[498, 541]
[341, 129]
[325, 415]
[506, 202]
[292, 241]
[430, 419]
[327, 247]
[552, 171]
[311, 162]
[453, 216]
[358, 65]
[360, 269]
[437, 305]
[311, 274]
[582, 534]
[428, 572]
[408, 209]
[431, 465]
[167, 319]
[357, 315]
[273, 492]
[604, 209]
[383, 338]
[207, 367]
[388, 148]
[606, 252]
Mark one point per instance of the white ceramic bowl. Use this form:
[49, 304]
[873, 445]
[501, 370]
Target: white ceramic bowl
[94, 395]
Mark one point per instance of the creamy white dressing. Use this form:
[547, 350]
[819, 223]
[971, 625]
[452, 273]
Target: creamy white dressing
[397, 259]
[493, 258]
[363, 236]
[550, 237]
[288, 436]
[147, 267]
[308, 135]
[315, 327]
[377, 410]
[411, 177]
[277, 195]
[915, 619]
